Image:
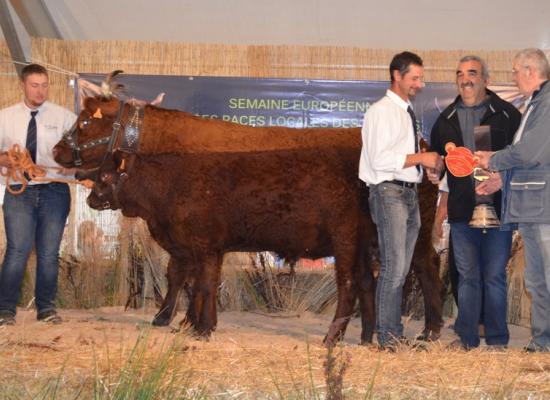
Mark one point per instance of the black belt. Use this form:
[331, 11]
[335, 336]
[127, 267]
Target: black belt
[409, 185]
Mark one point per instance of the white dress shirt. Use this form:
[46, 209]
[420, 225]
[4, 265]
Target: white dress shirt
[388, 138]
[51, 121]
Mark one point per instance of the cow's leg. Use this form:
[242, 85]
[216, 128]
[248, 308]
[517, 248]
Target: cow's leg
[176, 277]
[189, 318]
[366, 286]
[202, 313]
[425, 264]
[209, 317]
[426, 268]
[347, 294]
[366, 282]
[195, 304]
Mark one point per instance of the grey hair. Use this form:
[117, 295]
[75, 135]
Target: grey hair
[534, 58]
[484, 68]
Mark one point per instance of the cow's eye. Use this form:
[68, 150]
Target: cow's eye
[84, 123]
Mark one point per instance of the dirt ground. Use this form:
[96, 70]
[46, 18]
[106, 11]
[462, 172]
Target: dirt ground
[253, 355]
[113, 324]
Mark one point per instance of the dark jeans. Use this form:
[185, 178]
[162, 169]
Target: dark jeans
[394, 209]
[35, 217]
[481, 260]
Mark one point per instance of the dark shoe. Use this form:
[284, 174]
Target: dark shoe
[7, 319]
[49, 317]
[529, 349]
[534, 348]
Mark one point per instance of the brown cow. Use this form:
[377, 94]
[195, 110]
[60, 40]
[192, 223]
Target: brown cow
[176, 131]
[198, 206]
[165, 131]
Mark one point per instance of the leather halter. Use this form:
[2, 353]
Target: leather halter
[70, 137]
[122, 176]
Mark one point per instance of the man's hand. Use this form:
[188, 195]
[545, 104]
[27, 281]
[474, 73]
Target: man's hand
[89, 184]
[433, 175]
[484, 157]
[5, 160]
[67, 171]
[429, 159]
[491, 185]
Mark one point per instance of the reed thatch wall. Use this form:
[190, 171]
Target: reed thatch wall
[163, 58]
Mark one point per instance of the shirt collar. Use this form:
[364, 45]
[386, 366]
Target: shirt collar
[398, 100]
[482, 105]
[28, 109]
[538, 90]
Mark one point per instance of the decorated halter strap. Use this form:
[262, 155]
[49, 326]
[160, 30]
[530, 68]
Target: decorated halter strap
[132, 130]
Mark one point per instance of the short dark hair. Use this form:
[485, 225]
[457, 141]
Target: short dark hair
[401, 62]
[32, 69]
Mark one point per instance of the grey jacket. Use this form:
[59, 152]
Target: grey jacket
[526, 167]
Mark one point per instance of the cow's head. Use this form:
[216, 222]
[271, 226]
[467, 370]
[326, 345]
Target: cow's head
[86, 143]
[111, 176]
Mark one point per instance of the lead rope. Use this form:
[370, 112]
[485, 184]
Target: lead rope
[21, 165]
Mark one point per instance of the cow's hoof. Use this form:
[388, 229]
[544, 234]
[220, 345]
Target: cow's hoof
[366, 341]
[160, 320]
[203, 336]
[428, 336]
[329, 342]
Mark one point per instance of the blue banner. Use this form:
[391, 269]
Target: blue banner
[296, 103]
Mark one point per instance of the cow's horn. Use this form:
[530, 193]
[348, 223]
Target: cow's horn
[112, 75]
[107, 87]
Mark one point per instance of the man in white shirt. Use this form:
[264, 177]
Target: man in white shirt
[37, 216]
[390, 165]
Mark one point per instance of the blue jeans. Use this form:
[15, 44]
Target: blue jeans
[481, 260]
[37, 218]
[536, 239]
[394, 209]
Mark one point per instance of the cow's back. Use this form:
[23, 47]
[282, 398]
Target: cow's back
[176, 131]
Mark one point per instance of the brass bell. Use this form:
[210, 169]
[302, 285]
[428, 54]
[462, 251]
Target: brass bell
[484, 217]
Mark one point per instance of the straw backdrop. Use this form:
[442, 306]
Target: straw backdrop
[328, 62]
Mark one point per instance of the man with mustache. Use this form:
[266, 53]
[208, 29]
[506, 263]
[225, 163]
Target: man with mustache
[477, 115]
[390, 165]
[525, 166]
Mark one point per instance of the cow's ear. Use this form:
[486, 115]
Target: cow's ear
[123, 160]
[118, 156]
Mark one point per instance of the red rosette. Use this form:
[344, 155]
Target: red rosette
[460, 161]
